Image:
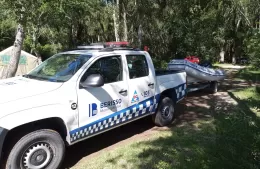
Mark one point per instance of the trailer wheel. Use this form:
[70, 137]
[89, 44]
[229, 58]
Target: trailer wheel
[165, 112]
[213, 88]
[42, 149]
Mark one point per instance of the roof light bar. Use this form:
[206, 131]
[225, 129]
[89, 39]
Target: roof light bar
[117, 44]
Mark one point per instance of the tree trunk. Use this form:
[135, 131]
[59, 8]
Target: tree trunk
[222, 56]
[116, 20]
[38, 55]
[238, 48]
[125, 23]
[70, 37]
[34, 39]
[79, 34]
[223, 52]
[259, 23]
[234, 59]
[35, 42]
[16, 53]
[233, 54]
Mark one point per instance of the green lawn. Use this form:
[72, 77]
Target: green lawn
[251, 98]
[249, 74]
[229, 139]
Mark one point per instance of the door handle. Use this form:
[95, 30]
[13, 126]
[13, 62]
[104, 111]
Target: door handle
[122, 91]
[150, 84]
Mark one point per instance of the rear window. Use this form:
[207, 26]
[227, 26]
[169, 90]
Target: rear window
[137, 66]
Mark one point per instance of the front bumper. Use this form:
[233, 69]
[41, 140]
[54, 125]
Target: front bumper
[3, 133]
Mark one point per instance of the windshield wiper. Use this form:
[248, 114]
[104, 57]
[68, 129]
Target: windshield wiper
[55, 80]
[35, 77]
[42, 78]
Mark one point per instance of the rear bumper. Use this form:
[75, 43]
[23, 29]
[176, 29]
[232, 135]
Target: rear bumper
[3, 133]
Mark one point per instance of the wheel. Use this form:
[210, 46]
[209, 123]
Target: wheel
[42, 149]
[213, 88]
[165, 112]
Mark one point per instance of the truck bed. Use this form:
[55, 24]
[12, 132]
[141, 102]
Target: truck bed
[172, 79]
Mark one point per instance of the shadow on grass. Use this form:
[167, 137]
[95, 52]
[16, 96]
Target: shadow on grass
[239, 83]
[232, 140]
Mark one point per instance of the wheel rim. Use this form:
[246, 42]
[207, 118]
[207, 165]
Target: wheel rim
[166, 114]
[37, 156]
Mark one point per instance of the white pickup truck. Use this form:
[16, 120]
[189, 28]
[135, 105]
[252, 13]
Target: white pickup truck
[78, 94]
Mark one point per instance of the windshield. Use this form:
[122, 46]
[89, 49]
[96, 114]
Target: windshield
[59, 68]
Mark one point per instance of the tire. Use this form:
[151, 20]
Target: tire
[165, 112]
[213, 88]
[46, 145]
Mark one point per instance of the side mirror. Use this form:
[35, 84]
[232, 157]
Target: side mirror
[94, 80]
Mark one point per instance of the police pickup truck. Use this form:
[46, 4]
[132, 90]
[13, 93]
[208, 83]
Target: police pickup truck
[77, 94]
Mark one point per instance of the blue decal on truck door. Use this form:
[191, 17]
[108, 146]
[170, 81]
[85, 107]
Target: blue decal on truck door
[93, 109]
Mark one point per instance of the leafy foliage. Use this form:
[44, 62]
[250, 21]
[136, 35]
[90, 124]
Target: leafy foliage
[253, 46]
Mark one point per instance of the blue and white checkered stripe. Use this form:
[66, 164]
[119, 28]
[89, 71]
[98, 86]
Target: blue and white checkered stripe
[129, 114]
[181, 91]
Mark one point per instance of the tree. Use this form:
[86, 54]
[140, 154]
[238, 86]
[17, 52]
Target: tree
[171, 29]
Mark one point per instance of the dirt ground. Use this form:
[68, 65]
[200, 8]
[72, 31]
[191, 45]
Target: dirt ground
[187, 111]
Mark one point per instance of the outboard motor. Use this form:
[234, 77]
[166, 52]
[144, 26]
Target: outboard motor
[206, 64]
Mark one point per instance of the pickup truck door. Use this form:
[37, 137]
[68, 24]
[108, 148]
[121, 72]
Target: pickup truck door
[99, 107]
[141, 82]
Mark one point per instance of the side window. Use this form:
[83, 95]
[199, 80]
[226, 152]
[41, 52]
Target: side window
[109, 67]
[137, 66]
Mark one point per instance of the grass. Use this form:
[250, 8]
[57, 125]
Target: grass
[228, 139]
[249, 74]
[250, 97]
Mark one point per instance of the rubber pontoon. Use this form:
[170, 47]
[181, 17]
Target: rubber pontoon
[195, 72]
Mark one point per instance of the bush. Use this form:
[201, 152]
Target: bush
[253, 47]
[45, 50]
[48, 50]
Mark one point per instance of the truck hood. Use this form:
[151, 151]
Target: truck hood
[19, 87]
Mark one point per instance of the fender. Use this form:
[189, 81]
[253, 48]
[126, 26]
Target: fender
[39, 113]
